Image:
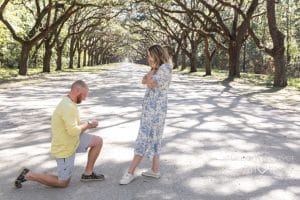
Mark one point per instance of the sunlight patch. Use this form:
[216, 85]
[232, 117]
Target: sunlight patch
[279, 195]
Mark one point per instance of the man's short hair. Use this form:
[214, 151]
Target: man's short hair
[79, 83]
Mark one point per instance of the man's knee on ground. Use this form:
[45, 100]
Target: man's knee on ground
[63, 184]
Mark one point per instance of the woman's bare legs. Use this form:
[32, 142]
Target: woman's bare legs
[134, 163]
[155, 164]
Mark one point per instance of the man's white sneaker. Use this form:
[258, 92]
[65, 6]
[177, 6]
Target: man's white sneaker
[127, 178]
[151, 173]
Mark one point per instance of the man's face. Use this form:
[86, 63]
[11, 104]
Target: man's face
[82, 94]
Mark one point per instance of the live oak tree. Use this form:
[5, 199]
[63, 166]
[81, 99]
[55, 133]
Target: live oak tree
[142, 33]
[43, 21]
[173, 32]
[277, 51]
[40, 13]
[49, 40]
[213, 30]
[227, 24]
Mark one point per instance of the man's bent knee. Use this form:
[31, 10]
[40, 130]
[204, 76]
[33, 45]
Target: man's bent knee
[97, 141]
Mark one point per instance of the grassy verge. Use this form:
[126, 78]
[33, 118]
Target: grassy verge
[9, 74]
[247, 78]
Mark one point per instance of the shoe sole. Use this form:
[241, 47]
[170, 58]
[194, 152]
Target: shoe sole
[127, 183]
[151, 176]
[18, 183]
[91, 180]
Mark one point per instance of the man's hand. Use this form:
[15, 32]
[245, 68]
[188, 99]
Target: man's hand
[93, 123]
[88, 125]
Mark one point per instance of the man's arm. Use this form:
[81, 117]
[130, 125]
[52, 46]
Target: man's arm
[70, 117]
[88, 125]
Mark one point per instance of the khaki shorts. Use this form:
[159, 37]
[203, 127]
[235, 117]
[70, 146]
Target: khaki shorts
[65, 166]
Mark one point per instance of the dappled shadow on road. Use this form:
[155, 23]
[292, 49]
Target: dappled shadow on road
[218, 143]
[237, 147]
[227, 87]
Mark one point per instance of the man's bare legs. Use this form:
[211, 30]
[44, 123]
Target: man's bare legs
[49, 180]
[53, 181]
[95, 149]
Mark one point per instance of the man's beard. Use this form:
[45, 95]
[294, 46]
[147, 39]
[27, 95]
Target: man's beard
[78, 99]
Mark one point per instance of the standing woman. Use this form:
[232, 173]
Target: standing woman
[148, 142]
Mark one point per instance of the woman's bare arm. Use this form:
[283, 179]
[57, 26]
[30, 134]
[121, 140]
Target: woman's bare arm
[147, 77]
[151, 83]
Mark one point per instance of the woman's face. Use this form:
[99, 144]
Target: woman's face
[150, 59]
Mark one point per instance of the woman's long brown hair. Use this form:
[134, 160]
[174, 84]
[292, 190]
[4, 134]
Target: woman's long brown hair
[159, 55]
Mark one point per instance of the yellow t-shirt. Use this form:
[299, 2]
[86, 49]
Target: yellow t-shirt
[65, 129]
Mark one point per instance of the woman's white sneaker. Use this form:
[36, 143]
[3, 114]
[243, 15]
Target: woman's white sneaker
[127, 178]
[151, 173]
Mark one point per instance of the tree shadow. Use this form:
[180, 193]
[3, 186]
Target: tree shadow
[218, 144]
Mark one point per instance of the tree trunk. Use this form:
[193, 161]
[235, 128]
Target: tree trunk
[244, 56]
[89, 58]
[234, 59]
[92, 59]
[183, 54]
[175, 58]
[280, 78]
[183, 60]
[233, 50]
[34, 60]
[84, 57]
[71, 52]
[194, 61]
[23, 62]
[97, 59]
[175, 61]
[79, 59]
[59, 52]
[207, 65]
[35, 54]
[207, 58]
[71, 60]
[47, 57]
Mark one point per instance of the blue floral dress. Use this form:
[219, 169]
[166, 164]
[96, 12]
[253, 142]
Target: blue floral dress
[154, 110]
